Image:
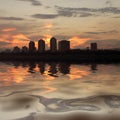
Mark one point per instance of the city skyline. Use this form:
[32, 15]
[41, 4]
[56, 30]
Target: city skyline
[62, 46]
[81, 22]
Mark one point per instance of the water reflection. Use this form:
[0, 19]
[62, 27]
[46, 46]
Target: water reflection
[58, 87]
[53, 69]
[32, 67]
[94, 67]
[41, 66]
[64, 68]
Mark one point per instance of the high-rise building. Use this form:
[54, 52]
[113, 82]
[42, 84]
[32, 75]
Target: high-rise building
[16, 49]
[53, 44]
[93, 46]
[41, 45]
[32, 47]
[64, 45]
[24, 49]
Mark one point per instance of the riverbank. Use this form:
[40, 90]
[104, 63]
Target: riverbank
[100, 56]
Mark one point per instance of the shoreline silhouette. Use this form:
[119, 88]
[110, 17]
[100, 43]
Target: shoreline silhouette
[78, 56]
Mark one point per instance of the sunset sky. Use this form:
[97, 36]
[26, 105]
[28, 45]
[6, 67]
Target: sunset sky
[80, 21]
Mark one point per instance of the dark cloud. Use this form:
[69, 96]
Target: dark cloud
[33, 2]
[85, 12]
[3, 43]
[77, 12]
[103, 32]
[45, 16]
[11, 18]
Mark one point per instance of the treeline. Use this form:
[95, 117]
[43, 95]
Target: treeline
[103, 56]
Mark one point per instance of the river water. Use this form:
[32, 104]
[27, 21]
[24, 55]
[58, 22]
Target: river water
[57, 91]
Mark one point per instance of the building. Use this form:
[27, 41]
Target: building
[53, 44]
[16, 49]
[93, 46]
[24, 49]
[41, 46]
[32, 47]
[64, 45]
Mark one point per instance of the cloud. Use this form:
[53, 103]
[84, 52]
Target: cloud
[11, 18]
[103, 32]
[33, 2]
[85, 12]
[48, 25]
[3, 43]
[108, 2]
[77, 12]
[77, 41]
[8, 29]
[20, 39]
[45, 16]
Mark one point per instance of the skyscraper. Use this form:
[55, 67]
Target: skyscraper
[32, 47]
[41, 45]
[53, 44]
[64, 45]
[93, 46]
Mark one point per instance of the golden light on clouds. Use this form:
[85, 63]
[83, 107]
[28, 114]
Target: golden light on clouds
[47, 38]
[20, 38]
[4, 37]
[48, 25]
[77, 41]
[8, 29]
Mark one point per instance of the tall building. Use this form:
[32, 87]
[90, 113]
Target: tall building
[53, 44]
[24, 49]
[32, 47]
[93, 46]
[16, 49]
[41, 45]
[64, 45]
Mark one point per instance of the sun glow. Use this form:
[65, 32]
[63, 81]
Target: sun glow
[47, 38]
[77, 41]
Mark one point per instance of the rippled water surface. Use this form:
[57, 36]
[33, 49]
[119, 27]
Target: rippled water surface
[35, 91]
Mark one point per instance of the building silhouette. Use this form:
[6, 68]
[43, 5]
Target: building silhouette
[41, 46]
[24, 49]
[64, 45]
[16, 49]
[93, 46]
[32, 47]
[53, 44]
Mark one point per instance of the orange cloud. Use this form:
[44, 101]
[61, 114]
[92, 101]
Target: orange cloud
[47, 38]
[20, 38]
[8, 29]
[48, 25]
[13, 40]
[77, 41]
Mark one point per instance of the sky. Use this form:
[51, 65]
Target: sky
[79, 21]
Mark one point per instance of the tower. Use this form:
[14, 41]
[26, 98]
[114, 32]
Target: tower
[64, 45]
[93, 46]
[53, 44]
[32, 47]
[41, 45]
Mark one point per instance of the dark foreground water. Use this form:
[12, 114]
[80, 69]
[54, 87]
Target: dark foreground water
[59, 91]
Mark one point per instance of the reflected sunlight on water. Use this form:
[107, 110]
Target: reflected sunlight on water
[28, 88]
